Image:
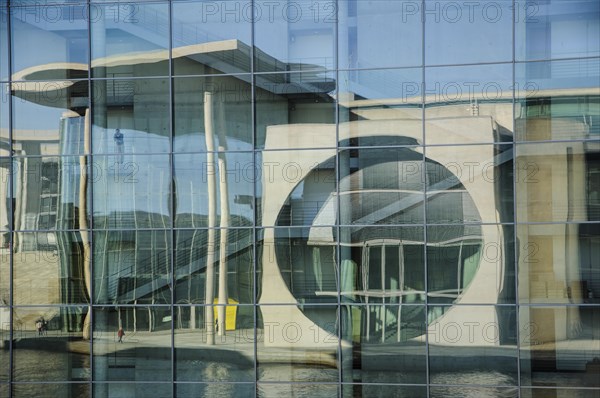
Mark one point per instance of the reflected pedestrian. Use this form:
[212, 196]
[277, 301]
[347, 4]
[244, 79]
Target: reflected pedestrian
[120, 334]
[39, 325]
[119, 141]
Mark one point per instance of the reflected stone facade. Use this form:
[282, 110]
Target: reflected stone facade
[300, 198]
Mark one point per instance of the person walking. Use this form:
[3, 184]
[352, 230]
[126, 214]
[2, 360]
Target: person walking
[120, 334]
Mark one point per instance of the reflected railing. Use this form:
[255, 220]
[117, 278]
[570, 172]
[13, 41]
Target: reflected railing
[160, 260]
[575, 68]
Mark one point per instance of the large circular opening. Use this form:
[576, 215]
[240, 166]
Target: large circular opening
[365, 238]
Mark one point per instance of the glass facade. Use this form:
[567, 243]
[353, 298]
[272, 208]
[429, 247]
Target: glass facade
[303, 198]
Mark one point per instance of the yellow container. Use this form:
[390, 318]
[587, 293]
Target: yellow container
[230, 313]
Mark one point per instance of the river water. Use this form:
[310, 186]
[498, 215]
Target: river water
[31, 367]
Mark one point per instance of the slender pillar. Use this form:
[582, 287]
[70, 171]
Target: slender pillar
[212, 215]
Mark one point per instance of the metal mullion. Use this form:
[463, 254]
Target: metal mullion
[459, 267]
[383, 309]
[514, 184]
[424, 181]
[338, 248]
[254, 194]
[401, 271]
[338, 252]
[10, 206]
[171, 197]
[91, 207]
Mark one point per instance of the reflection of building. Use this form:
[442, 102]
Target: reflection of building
[382, 188]
[291, 206]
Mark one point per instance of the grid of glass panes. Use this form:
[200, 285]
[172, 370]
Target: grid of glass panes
[308, 197]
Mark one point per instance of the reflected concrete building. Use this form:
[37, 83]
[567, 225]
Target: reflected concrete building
[330, 198]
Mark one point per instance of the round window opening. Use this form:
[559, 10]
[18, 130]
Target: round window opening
[364, 238]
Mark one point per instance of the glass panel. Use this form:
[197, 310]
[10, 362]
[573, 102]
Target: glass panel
[4, 116]
[471, 264]
[497, 392]
[212, 37]
[296, 188]
[374, 265]
[49, 118]
[5, 271]
[130, 39]
[133, 390]
[295, 110]
[295, 35]
[558, 100]
[4, 310]
[198, 345]
[297, 266]
[382, 265]
[49, 42]
[470, 184]
[557, 29]
[219, 105]
[132, 267]
[297, 343]
[194, 174]
[46, 193]
[49, 344]
[558, 393]
[560, 346]
[131, 116]
[51, 267]
[3, 43]
[382, 390]
[193, 251]
[380, 34]
[557, 182]
[143, 352]
[381, 186]
[558, 263]
[192, 390]
[6, 212]
[132, 191]
[50, 390]
[5, 335]
[466, 32]
[120, 1]
[296, 390]
[371, 329]
[380, 107]
[472, 345]
[29, 5]
[468, 104]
